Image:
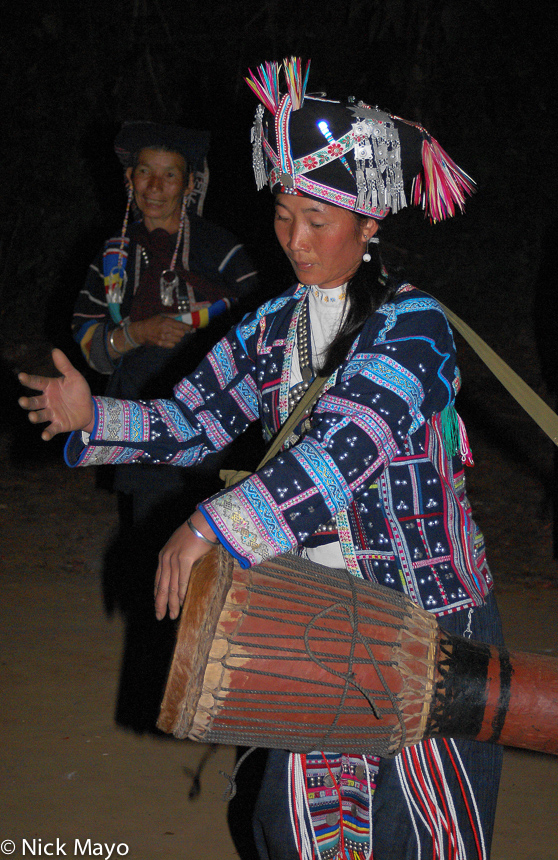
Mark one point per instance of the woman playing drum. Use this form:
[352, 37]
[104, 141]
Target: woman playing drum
[372, 480]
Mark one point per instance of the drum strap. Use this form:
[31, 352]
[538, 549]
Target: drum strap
[534, 405]
[302, 408]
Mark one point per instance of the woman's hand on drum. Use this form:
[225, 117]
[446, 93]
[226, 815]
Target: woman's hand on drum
[175, 564]
[65, 401]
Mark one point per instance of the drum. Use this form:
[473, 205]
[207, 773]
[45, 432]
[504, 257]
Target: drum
[293, 655]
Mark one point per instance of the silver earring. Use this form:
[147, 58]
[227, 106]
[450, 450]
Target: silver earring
[366, 256]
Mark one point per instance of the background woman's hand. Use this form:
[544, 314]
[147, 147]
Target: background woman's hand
[160, 330]
[65, 401]
[175, 565]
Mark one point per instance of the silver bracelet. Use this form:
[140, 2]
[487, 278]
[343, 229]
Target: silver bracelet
[111, 341]
[129, 339]
[198, 534]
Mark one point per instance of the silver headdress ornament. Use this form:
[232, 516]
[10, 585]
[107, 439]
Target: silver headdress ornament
[258, 162]
[347, 154]
[377, 153]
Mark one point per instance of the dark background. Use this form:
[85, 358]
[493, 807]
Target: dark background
[479, 74]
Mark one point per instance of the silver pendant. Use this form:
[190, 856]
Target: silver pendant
[168, 284]
[286, 180]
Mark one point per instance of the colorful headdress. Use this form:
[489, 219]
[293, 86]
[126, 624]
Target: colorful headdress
[348, 153]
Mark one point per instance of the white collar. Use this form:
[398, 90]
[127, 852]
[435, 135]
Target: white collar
[332, 295]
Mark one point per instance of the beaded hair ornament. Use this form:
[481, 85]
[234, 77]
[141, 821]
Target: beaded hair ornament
[348, 153]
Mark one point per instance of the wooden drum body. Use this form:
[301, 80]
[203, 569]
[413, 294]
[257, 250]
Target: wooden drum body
[293, 655]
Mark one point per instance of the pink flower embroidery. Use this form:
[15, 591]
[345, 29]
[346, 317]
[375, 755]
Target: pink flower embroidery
[335, 149]
[310, 162]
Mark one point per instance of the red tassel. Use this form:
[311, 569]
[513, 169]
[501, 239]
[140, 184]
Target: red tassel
[442, 186]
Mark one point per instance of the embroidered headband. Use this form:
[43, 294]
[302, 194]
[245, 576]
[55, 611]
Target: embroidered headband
[348, 153]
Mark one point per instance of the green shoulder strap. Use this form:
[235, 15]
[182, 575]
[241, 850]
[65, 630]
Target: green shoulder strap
[539, 411]
[534, 405]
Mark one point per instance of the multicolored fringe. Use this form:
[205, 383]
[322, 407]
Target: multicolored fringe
[266, 84]
[296, 83]
[331, 795]
[442, 186]
[429, 800]
[330, 801]
[454, 435]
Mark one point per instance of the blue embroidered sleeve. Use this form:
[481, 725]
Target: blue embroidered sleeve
[401, 373]
[211, 407]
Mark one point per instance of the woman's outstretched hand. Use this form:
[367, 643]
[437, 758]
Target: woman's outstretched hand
[175, 565]
[65, 401]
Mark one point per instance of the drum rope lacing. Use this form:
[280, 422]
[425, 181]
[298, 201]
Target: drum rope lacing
[382, 747]
[230, 790]
[349, 676]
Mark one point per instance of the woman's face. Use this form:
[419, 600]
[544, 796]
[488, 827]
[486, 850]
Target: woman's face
[324, 243]
[159, 180]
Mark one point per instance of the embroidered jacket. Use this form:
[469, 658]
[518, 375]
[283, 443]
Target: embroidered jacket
[373, 455]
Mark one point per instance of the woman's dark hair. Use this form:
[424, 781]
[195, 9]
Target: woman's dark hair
[369, 288]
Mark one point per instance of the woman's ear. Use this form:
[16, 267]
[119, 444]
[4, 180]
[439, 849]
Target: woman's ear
[369, 228]
[128, 174]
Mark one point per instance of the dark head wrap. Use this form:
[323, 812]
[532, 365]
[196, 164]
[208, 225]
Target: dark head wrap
[347, 153]
[192, 144]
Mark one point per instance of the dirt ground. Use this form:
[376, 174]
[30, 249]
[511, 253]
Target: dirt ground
[72, 772]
